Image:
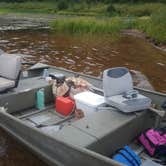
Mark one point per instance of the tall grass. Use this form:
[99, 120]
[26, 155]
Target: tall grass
[116, 16]
[154, 26]
[88, 25]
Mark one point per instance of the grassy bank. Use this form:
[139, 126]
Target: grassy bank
[154, 26]
[99, 17]
[88, 25]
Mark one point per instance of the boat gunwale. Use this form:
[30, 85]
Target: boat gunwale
[100, 79]
[37, 151]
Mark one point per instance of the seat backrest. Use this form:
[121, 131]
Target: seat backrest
[116, 81]
[10, 66]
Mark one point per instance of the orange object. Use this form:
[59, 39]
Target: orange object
[64, 105]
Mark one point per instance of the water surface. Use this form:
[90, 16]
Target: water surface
[90, 55]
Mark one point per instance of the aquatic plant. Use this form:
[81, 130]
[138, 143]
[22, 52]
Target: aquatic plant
[88, 25]
[147, 17]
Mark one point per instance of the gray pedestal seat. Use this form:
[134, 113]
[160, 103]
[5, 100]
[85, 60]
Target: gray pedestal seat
[119, 92]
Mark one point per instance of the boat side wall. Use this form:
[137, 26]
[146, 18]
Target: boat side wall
[53, 151]
[24, 100]
[157, 97]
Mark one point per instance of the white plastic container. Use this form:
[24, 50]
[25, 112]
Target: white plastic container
[88, 102]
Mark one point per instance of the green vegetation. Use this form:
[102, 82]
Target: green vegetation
[89, 25]
[98, 16]
[138, 10]
[62, 5]
[70, 7]
[154, 26]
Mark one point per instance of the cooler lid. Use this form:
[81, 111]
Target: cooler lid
[89, 98]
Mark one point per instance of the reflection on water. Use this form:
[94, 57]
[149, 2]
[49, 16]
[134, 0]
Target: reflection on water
[90, 55]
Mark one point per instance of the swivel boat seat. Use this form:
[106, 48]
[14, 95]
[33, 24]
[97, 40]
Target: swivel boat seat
[119, 92]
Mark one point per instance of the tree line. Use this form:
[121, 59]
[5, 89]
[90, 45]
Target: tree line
[86, 1]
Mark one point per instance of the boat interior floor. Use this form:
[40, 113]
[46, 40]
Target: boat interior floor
[101, 131]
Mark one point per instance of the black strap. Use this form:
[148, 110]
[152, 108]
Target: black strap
[132, 156]
[150, 142]
[162, 130]
[130, 161]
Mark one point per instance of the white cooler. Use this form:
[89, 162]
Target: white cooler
[88, 102]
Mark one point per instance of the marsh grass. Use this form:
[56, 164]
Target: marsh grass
[154, 26]
[95, 18]
[89, 25]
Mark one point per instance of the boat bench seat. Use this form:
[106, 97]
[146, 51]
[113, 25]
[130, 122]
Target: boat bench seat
[10, 66]
[105, 131]
[113, 129]
[25, 94]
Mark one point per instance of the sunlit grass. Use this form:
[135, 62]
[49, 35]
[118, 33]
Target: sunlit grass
[146, 17]
[154, 26]
[88, 25]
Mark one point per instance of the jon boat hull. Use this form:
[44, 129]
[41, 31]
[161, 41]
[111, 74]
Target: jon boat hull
[52, 151]
[56, 151]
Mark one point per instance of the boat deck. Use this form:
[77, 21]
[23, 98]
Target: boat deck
[98, 131]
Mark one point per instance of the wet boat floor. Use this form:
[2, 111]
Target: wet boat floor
[43, 118]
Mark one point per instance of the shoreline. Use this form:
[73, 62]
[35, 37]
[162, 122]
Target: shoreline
[139, 34]
[34, 21]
